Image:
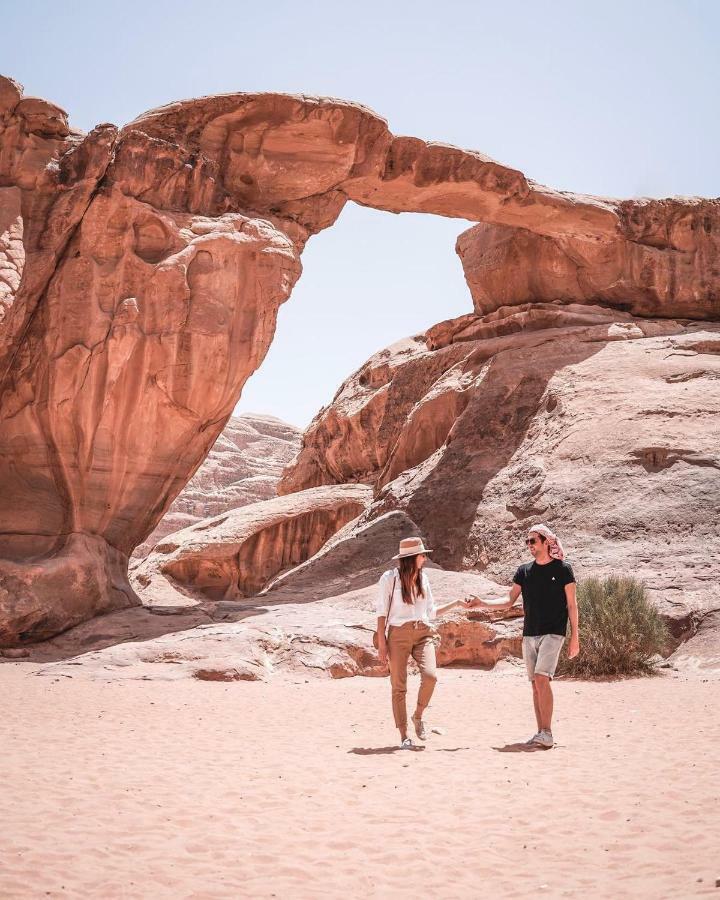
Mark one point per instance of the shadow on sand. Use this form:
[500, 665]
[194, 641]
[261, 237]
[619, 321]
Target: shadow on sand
[521, 748]
[378, 751]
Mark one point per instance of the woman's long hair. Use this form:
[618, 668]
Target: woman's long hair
[410, 579]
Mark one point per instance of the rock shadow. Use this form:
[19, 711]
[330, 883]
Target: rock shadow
[484, 439]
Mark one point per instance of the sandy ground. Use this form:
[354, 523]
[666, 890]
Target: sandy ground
[294, 789]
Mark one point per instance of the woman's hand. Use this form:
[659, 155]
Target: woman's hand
[471, 602]
[382, 650]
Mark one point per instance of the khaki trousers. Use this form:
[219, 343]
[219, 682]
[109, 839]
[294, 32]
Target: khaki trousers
[405, 641]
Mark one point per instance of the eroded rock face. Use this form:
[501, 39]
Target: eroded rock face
[251, 643]
[662, 261]
[48, 174]
[604, 424]
[351, 559]
[238, 553]
[130, 359]
[140, 278]
[243, 467]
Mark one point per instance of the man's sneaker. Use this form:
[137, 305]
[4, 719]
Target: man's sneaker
[407, 744]
[533, 739]
[544, 739]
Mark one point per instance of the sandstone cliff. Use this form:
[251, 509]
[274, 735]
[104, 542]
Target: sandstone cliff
[605, 424]
[140, 277]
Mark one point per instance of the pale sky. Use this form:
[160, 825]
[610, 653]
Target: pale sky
[616, 98]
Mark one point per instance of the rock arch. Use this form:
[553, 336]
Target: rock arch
[141, 271]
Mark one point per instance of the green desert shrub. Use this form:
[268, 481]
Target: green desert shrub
[620, 630]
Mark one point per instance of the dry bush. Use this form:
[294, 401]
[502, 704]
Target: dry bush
[620, 630]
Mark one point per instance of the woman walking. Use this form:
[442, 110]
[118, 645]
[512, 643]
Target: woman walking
[405, 609]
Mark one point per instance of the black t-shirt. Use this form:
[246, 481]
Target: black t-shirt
[543, 593]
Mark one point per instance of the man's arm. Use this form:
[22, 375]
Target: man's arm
[571, 597]
[473, 602]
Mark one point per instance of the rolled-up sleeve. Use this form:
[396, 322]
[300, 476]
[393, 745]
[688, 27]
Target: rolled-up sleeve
[431, 605]
[383, 594]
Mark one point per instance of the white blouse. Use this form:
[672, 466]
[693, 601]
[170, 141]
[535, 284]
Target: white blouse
[422, 609]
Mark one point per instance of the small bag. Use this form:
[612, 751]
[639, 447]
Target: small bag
[376, 639]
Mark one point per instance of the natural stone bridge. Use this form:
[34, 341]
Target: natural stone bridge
[141, 273]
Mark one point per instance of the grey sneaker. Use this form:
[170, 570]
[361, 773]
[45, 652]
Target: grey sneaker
[544, 739]
[420, 729]
[407, 744]
[533, 739]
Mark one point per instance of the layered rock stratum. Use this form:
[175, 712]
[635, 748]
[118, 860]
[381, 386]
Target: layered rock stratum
[238, 553]
[141, 271]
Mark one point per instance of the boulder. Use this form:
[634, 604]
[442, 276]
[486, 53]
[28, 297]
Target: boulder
[660, 263]
[260, 639]
[237, 553]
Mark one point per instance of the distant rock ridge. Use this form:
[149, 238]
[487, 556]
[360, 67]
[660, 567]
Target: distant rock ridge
[243, 467]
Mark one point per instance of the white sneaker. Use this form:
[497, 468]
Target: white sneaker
[544, 739]
[407, 744]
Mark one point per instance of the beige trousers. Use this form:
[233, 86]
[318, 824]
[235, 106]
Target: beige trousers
[405, 641]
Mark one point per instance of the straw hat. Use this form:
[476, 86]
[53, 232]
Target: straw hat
[411, 547]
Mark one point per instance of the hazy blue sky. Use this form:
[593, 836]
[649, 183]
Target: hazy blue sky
[615, 98]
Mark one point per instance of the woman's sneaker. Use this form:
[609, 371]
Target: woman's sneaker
[544, 739]
[420, 729]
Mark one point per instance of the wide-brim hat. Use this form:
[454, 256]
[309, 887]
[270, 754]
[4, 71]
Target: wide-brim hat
[411, 547]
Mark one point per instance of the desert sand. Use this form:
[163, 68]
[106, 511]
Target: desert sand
[294, 788]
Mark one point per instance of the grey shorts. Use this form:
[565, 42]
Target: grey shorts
[541, 654]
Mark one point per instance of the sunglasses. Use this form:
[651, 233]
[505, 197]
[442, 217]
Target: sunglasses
[530, 541]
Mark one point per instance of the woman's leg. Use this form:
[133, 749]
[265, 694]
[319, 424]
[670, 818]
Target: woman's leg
[399, 646]
[424, 655]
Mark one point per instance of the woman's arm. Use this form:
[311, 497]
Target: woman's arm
[382, 641]
[441, 610]
[433, 609]
[384, 600]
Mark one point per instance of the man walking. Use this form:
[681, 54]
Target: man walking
[547, 585]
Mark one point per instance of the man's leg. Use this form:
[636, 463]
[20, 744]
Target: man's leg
[529, 652]
[548, 654]
[536, 704]
[544, 695]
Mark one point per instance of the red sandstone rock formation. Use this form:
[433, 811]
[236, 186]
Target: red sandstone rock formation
[140, 277]
[243, 467]
[236, 554]
[607, 425]
[246, 642]
[662, 262]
